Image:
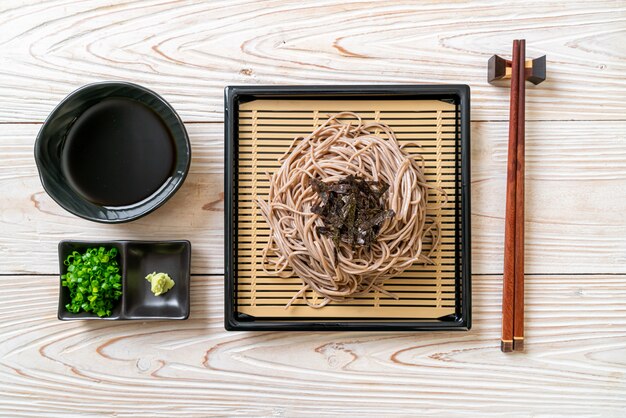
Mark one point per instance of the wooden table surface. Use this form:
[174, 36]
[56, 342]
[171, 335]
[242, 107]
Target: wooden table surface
[575, 359]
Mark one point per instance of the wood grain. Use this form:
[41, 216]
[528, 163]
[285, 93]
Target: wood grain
[30, 219]
[189, 50]
[575, 221]
[574, 364]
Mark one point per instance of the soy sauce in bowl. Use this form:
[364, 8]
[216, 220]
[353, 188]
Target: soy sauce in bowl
[118, 153]
[112, 152]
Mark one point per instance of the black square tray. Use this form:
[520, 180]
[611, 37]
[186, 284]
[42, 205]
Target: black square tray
[238, 280]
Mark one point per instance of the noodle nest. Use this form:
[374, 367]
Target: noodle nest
[345, 145]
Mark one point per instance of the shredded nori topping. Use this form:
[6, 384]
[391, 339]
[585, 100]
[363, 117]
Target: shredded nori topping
[352, 209]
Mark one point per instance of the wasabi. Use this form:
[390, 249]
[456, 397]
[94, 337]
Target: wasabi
[160, 283]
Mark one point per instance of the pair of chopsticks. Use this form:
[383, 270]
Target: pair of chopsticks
[513, 286]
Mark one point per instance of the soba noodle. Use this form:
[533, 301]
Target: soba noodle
[336, 149]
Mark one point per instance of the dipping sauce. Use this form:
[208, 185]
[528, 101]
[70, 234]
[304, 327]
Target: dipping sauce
[118, 152]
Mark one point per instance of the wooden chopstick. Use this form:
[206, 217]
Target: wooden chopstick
[518, 300]
[508, 286]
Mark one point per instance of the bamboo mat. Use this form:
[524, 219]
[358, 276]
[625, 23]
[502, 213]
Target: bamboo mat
[265, 130]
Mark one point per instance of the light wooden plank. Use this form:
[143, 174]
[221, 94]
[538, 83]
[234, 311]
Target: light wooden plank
[188, 51]
[32, 224]
[574, 362]
[575, 197]
[576, 223]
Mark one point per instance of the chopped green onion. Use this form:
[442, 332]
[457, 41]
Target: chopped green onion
[93, 280]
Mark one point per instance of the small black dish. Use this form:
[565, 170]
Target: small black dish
[137, 259]
[143, 258]
[112, 152]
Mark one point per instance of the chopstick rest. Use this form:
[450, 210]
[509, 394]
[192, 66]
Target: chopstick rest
[518, 70]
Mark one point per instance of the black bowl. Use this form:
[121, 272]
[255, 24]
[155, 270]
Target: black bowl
[53, 136]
